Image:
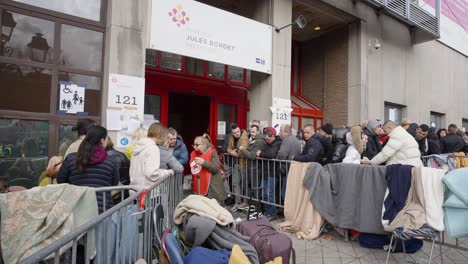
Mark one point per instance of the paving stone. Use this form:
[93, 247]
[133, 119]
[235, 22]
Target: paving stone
[332, 261]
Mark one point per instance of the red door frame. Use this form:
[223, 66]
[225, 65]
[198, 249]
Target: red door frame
[241, 114]
[162, 82]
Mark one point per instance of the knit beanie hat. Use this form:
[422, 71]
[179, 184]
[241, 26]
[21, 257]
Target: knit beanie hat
[273, 131]
[372, 124]
[327, 128]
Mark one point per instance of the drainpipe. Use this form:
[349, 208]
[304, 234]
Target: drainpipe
[437, 11]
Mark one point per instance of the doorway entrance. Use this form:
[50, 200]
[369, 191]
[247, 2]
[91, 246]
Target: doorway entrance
[189, 115]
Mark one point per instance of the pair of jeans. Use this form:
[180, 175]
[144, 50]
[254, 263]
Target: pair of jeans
[238, 179]
[269, 190]
[253, 182]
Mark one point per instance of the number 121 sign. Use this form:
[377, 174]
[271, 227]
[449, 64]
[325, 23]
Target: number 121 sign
[127, 91]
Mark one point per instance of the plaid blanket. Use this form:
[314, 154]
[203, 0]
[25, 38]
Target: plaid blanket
[33, 219]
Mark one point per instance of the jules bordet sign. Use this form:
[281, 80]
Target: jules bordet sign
[197, 30]
[127, 92]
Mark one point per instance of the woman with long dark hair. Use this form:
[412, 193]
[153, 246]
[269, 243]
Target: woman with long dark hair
[91, 166]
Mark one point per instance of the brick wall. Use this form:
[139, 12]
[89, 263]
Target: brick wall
[325, 75]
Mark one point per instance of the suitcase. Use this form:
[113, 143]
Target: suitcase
[268, 242]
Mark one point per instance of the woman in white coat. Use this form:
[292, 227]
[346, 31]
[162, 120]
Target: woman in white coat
[146, 159]
[358, 141]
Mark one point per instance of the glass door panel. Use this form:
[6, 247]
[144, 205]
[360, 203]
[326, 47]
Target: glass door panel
[227, 115]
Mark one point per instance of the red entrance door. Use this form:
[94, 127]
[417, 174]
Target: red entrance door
[226, 112]
[195, 106]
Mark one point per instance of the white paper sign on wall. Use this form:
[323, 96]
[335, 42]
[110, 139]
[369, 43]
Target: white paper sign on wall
[72, 97]
[280, 116]
[281, 112]
[221, 127]
[127, 92]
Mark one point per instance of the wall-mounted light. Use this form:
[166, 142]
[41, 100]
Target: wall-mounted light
[301, 22]
[317, 28]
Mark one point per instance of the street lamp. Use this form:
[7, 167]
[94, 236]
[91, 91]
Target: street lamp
[38, 48]
[8, 24]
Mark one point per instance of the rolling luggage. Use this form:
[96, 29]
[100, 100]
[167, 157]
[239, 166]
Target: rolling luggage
[267, 241]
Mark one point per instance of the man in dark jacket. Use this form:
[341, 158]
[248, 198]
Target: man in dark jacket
[176, 144]
[452, 142]
[270, 173]
[324, 135]
[313, 150]
[426, 146]
[373, 131]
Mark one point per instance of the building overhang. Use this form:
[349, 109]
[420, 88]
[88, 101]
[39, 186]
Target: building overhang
[424, 26]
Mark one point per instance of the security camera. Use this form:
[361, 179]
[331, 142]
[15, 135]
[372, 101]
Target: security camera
[377, 45]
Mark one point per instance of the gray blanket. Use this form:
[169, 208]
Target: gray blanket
[201, 230]
[348, 195]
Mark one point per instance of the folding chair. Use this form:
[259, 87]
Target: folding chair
[424, 233]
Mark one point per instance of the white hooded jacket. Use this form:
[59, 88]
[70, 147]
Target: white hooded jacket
[352, 154]
[144, 164]
[400, 148]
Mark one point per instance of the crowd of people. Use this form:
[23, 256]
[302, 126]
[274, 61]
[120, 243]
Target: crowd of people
[372, 142]
[91, 160]
[159, 151]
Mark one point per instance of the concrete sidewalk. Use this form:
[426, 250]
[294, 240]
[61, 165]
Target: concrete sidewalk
[338, 251]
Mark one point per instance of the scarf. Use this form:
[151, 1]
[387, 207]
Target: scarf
[98, 156]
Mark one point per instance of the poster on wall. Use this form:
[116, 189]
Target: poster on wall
[125, 103]
[281, 113]
[72, 97]
[127, 92]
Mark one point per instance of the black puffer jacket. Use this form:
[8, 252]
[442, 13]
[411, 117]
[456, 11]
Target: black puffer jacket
[452, 143]
[340, 147]
[102, 174]
[312, 151]
[373, 146]
[327, 146]
[123, 163]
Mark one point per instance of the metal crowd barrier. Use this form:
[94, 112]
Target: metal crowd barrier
[263, 180]
[123, 233]
[452, 243]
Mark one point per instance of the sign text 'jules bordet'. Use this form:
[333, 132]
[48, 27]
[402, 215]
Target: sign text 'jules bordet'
[193, 29]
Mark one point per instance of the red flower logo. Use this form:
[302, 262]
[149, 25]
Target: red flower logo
[179, 16]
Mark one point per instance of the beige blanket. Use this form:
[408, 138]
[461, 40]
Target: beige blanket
[33, 219]
[300, 216]
[203, 206]
[413, 215]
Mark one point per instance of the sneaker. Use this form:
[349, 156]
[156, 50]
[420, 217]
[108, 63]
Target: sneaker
[235, 207]
[255, 215]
